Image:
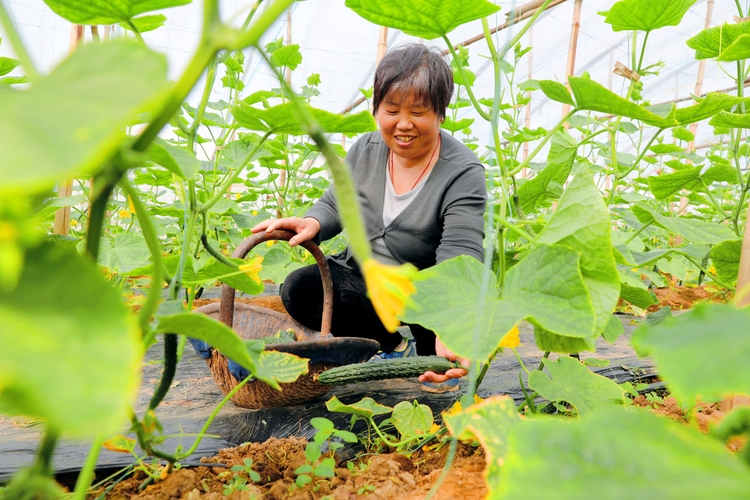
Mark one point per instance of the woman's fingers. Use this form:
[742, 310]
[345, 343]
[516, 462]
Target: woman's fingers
[430, 376]
[306, 229]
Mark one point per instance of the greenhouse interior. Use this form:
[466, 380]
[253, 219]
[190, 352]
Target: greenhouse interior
[435, 249]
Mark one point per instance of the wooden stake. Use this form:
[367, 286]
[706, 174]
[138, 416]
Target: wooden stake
[574, 29]
[65, 189]
[382, 45]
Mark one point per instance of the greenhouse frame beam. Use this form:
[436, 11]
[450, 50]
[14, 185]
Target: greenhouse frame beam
[511, 21]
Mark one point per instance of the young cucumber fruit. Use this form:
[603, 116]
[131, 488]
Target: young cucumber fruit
[386, 368]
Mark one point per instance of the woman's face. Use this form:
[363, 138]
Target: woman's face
[409, 126]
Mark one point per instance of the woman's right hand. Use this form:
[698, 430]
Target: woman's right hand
[306, 228]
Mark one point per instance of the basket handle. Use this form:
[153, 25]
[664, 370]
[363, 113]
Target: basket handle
[226, 313]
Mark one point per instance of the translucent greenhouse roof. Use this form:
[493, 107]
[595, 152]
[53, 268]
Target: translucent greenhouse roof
[341, 47]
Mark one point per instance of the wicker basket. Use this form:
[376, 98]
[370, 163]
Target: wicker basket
[250, 322]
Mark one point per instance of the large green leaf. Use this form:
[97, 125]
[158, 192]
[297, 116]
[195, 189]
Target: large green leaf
[569, 380]
[731, 120]
[412, 419]
[216, 334]
[490, 422]
[129, 251]
[710, 42]
[695, 230]
[556, 91]
[546, 286]
[636, 296]
[708, 106]
[282, 119]
[614, 330]
[72, 121]
[665, 185]
[7, 65]
[288, 55]
[726, 259]
[145, 24]
[720, 173]
[549, 182]
[581, 221]
[176, 159]
[711, 335]
[739, 50]
[107, 11]
[366, 407]
[592, 96]
[602, 456]
[422, 18]
[548, 341]
[72, 348]
[216, 271]
[646, 15]
[281, 367]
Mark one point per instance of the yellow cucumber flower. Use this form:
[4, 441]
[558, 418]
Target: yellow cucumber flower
[511, 339]
[252, 268]
[388, 287]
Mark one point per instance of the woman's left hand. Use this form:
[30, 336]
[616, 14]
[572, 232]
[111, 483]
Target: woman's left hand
[443, 351]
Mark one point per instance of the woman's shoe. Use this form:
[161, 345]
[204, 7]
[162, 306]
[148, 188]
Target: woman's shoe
[450, 385]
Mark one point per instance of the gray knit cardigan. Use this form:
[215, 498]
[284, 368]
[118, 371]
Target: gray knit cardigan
[445, 219]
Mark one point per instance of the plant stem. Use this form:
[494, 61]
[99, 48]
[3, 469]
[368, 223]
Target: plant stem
[514, 228]
[525, 28]
[544, 358]
[448, 462]
[637, 69]
[144, 443]
[154, 246]
[216, 254]
[200, 110]
[469, 91]
[544, 141]
[46, 449]
[641, 155]
[231, 178]
[211, 418]
[520, 361]
[715, 203]
[739, 7]
[526, 396]
[202, 57]
[346, 193]
[135, 31]
[638, 231]
[18, 47]
[709, 274]
[87, 473]
[266, 19]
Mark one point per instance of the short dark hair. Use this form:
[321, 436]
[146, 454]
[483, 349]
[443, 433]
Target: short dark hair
[418, 69]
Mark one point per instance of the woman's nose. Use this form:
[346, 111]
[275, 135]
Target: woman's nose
[404, 122]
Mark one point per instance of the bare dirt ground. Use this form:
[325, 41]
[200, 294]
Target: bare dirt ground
[384, 476]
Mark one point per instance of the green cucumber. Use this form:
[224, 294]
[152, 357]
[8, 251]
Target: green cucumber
[386, 368]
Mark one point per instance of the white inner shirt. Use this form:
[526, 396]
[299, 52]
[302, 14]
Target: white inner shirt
[393, 205]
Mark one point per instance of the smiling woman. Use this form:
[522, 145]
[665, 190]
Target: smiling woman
[423, 197]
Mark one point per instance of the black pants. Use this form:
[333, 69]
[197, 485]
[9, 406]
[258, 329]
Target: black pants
[353, 314]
